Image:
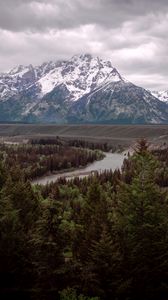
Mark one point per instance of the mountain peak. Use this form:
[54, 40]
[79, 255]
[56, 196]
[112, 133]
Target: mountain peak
[20, 70]
[84, 56]
[83, 88]
[88, 58]
[81, 74]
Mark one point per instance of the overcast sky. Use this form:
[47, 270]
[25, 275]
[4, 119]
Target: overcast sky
[133, 34]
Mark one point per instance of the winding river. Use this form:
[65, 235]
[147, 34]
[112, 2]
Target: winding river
[110, 161]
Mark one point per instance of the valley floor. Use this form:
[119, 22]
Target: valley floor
[124, 135]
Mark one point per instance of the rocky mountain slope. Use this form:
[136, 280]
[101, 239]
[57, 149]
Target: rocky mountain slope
[84, 89]
[120, 102]
[162, 95]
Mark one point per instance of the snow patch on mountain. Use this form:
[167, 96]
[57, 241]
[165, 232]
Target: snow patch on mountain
[20, 71]
[81, 75]
[82, 89]
[162, 95]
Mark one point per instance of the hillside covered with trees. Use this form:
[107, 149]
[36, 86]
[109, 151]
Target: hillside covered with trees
[103, 237]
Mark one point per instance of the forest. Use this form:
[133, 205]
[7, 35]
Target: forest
[104, 237]
[78, 143]
[38, 159]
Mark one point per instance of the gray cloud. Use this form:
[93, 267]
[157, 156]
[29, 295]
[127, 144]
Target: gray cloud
[132, 33]
[39, 15]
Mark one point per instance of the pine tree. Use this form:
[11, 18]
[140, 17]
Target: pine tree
[18, 211]
[94, 216]
[48, 246]
[141, 221]
[103, 266]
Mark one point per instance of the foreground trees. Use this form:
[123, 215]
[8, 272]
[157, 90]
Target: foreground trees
[19, 209]
[141, 214]
[103, 237]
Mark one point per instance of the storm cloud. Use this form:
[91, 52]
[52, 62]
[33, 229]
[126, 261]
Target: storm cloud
[131, 33]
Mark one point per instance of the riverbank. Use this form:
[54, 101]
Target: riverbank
[111, 161]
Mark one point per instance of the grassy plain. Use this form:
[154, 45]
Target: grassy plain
[124, 135]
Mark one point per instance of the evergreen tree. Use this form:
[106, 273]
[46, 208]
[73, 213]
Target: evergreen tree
[141, 221]
[103, 266]
[48, 247]
[18, 211]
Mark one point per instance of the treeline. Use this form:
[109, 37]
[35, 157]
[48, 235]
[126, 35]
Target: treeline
[102, 237]
[37, 159]
[78, 143]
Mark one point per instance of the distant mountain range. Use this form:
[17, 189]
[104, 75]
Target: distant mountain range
[84, 89]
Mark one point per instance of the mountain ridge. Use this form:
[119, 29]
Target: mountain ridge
[161, 95]
[81, 89]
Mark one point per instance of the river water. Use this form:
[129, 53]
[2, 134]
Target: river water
[111, 161]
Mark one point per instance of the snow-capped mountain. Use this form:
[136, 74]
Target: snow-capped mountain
[15, 81]
[120, 102]
[162, 95]
[80, 75]
[82, 89]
